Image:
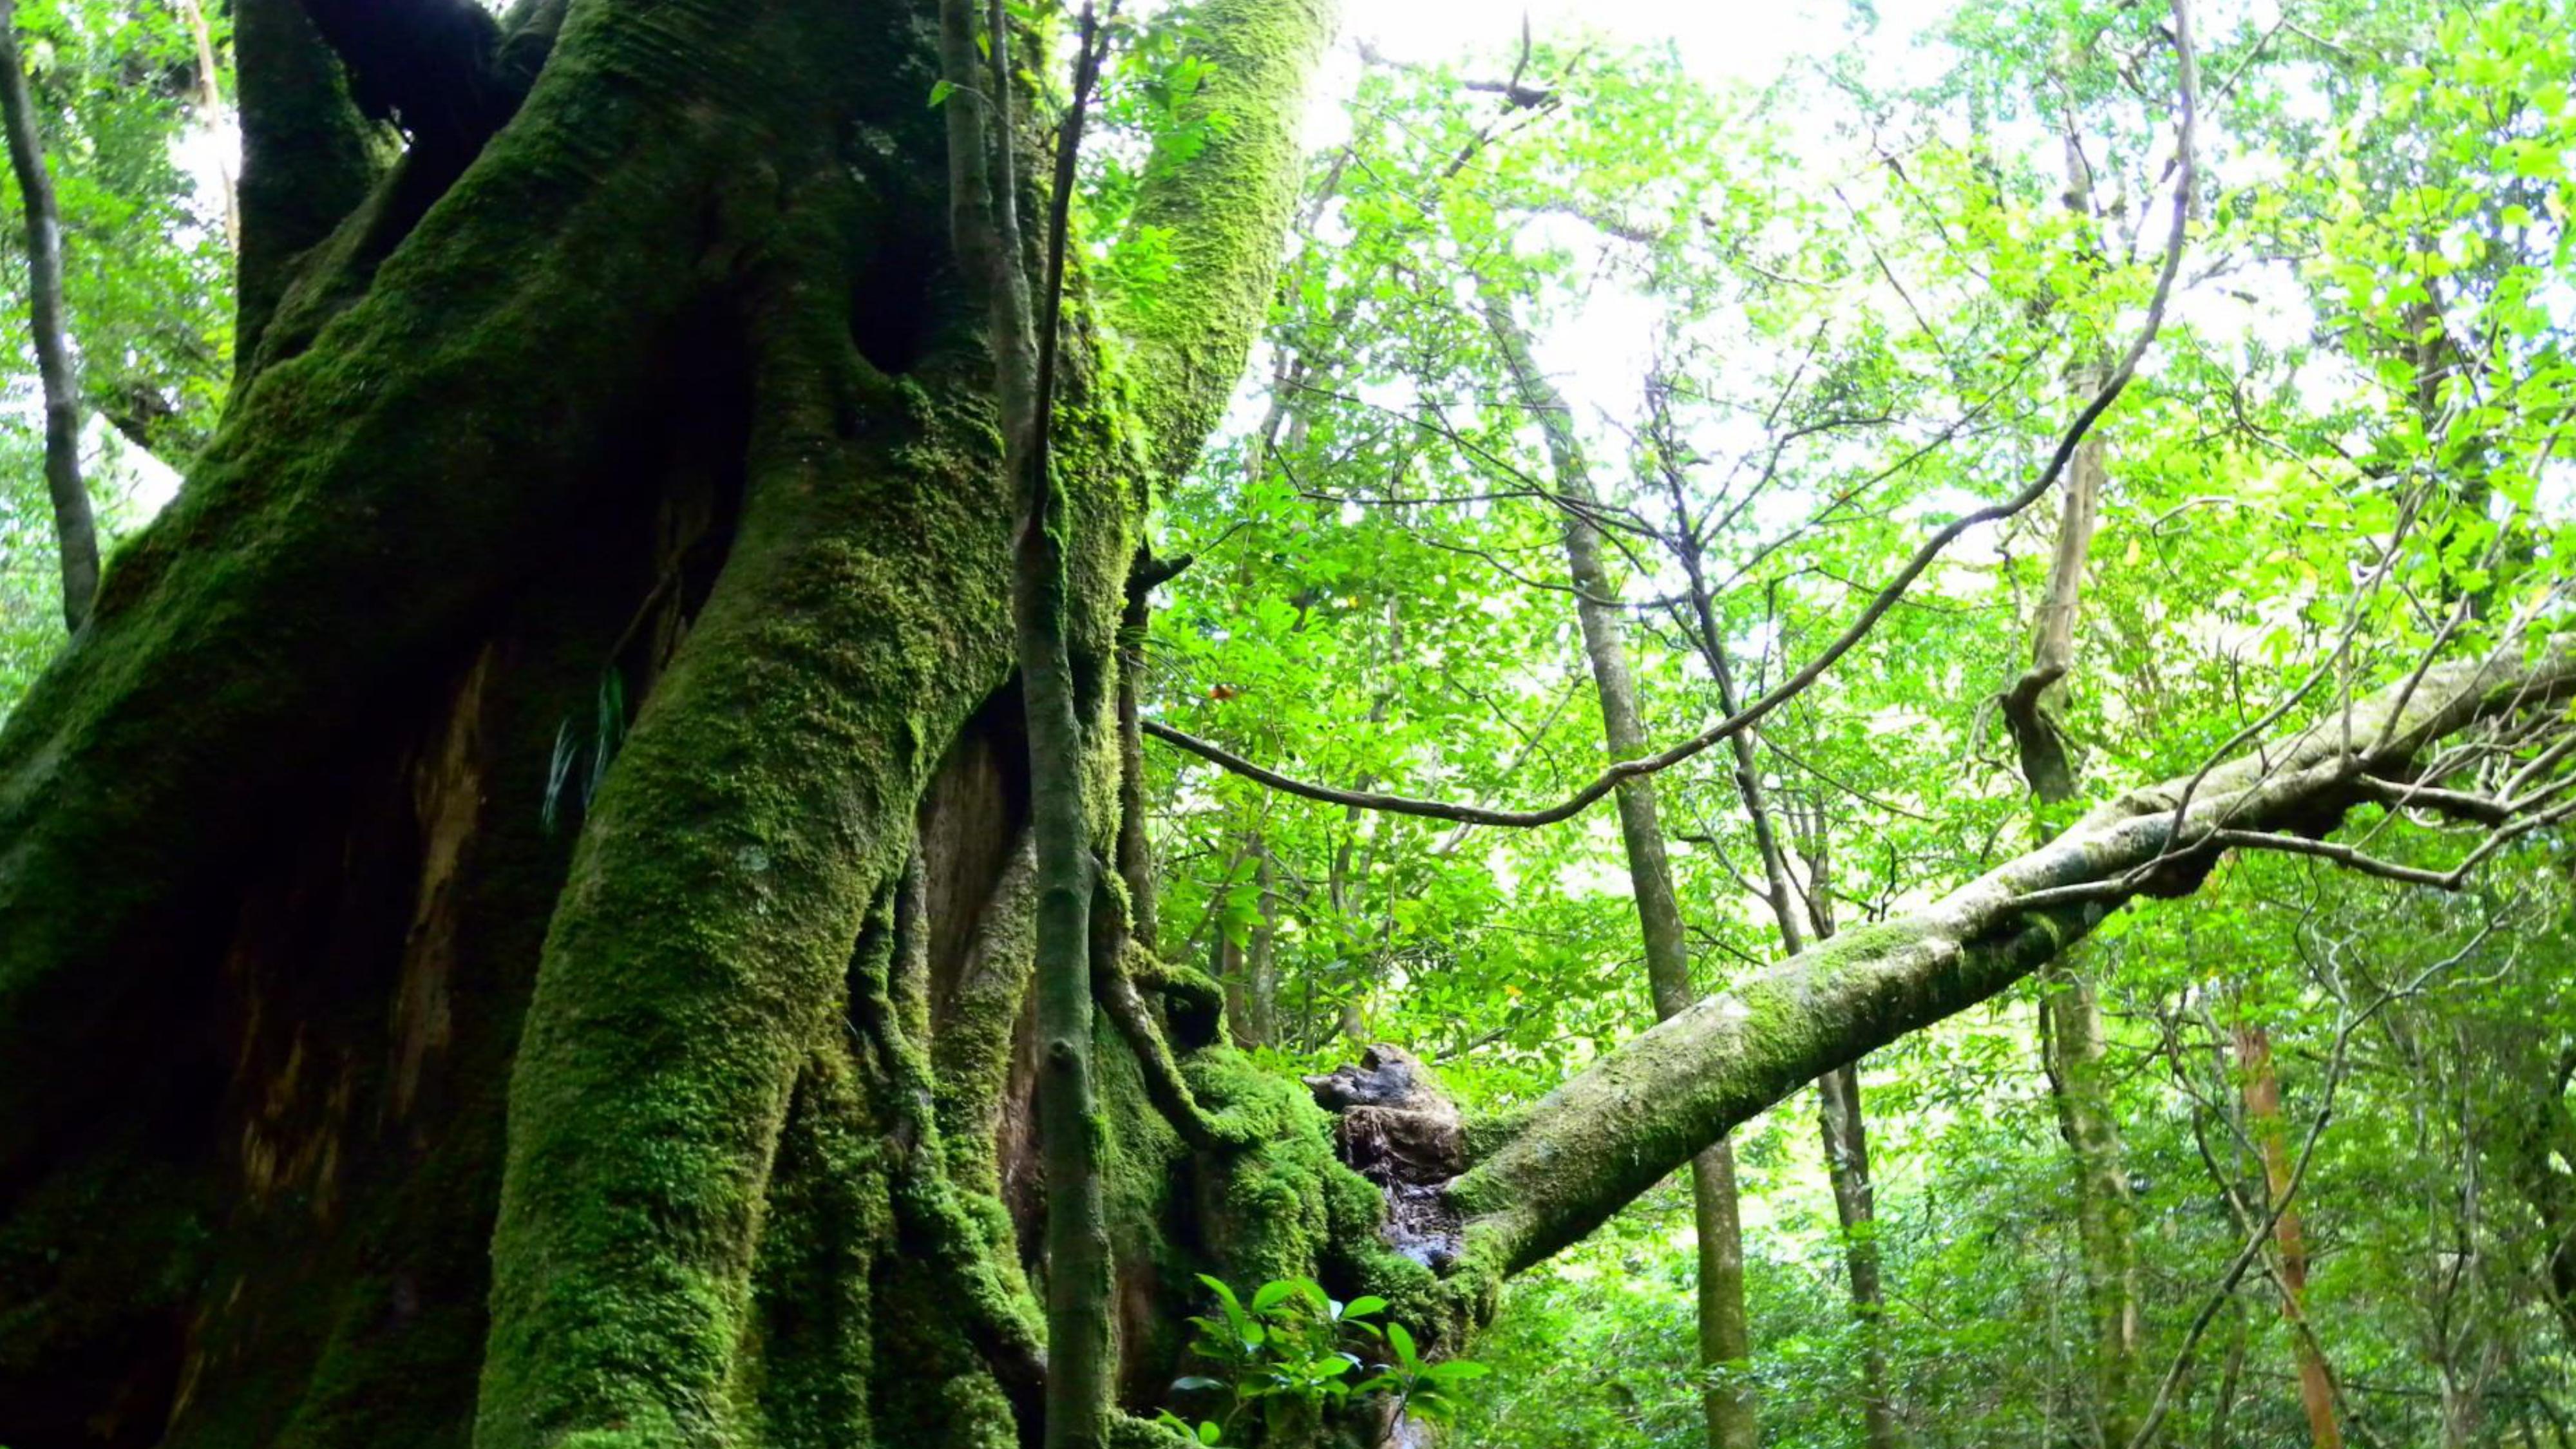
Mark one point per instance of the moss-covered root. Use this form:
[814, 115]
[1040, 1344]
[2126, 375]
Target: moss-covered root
[991, 1305]
[764, 797]
[1639, 1113]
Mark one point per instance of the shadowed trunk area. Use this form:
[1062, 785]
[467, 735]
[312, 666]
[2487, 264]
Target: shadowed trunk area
[549, 805]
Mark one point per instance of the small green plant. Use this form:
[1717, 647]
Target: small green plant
[1293, 1351]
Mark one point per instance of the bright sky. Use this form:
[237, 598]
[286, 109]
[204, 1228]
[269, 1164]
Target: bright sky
[1745, 42]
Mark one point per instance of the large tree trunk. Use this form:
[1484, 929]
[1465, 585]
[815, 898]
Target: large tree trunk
[390, 1083]
[1725, 1334]
[516, 912]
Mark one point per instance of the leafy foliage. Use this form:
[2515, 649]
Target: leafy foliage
[1281, 1359]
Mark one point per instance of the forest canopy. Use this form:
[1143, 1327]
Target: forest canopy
[919, 724]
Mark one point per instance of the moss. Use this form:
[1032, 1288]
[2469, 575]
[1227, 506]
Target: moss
[803, 1367]
[1138, 1170]
[97, 1262]
[365, 505]
[694, 1188]
[1224, 211]
[308, 157]
[1483, 1132]
[971, 1048]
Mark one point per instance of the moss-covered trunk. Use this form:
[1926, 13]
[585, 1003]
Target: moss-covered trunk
[458, 976]
[516, 911]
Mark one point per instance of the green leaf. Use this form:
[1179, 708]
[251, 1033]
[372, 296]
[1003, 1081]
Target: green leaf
[940, 90]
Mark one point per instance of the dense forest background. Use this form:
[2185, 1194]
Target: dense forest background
[1583, 331]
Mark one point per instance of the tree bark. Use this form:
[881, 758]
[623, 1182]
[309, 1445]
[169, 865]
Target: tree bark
[1845, 1135]
[75, 527]
[2105, 1215]
[2271, 1133]
[1846, 1145]
[1613, 1130]
[309, 159]
[668, 385]
[1725, 1337]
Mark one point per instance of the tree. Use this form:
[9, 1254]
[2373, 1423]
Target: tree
[517, 914]
[1724, 1341]
[75, 525]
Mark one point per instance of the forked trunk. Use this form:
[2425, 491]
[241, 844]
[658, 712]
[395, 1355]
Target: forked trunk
[496, 1007]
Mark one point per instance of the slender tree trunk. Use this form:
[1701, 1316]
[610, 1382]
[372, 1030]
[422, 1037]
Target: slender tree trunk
[2070, 1013]
[2225, 1403]
[1250, 968]
[2105, 1215]
[1846, 1142]
[75, 527]
[2271, 1133]
[1261, 961]
[1724, 1333]
[210, 111]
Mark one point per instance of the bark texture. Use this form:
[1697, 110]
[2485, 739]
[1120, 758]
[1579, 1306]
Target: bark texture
[2105, 1214]
[1839, 1114]
[647, 442]
[75, 526]
[1725, 1335]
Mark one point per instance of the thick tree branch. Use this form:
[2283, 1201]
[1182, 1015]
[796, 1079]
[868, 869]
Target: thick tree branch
[309, 157]
[1638, 1113]
[1224, 199]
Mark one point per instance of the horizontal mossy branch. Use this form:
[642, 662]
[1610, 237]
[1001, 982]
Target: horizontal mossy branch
[1637, 1114]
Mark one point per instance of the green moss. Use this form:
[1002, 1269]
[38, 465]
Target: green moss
[802, 1369]
[971, 1048]
[1224, 210]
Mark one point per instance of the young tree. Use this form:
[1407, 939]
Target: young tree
[75, 523]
